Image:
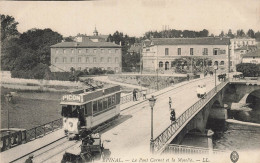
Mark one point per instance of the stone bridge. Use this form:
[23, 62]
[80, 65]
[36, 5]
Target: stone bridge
[200, 117]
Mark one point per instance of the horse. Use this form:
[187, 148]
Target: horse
[222, 77]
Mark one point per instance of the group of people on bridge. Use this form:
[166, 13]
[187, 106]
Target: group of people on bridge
[143, 93]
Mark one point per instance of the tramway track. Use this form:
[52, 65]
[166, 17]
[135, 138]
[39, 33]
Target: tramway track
[38, 151]
[68, 145]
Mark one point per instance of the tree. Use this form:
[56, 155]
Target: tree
[203, 33]
[248, 69]
[241, 33]
[230, 34]
[8, 27]
[222, 34]
[10, 53]
[257, 36]
[40, 41]
[68, 39]
[251, 33]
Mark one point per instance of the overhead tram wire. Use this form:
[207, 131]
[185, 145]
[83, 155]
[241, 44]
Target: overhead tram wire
[88, 84]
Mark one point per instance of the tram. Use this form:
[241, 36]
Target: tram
[88, 108]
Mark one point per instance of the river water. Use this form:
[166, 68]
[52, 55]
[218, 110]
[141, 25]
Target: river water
[232, 136]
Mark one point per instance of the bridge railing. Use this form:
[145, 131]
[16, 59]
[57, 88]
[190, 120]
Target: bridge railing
[182, 149]
[10, 138]
[43, 130]
[165, 136]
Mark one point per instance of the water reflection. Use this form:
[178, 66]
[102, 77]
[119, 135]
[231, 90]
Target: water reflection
[236, 136]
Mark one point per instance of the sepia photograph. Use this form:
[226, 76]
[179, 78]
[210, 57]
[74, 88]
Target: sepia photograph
[130, 81]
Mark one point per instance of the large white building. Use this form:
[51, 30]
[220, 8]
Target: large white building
[85, 53]
[160, 53]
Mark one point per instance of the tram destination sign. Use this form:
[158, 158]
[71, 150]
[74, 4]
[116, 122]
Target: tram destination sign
[71, 98]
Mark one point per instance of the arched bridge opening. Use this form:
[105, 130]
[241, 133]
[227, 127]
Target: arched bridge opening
[253, 99]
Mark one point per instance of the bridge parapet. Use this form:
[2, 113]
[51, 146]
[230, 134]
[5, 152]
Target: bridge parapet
[182, 149]
[246, 80]
[161, 141]
[13, 137]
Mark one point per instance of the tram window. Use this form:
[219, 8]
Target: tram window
[89, 108]
[105, 103]
[70, 111]
[66, 110]
[109, 101]
[83, 109]
[113, 100]
[99, 105]
[75, 111]
[95, 109]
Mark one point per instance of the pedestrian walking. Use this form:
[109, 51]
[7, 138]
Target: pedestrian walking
[198, 91]
[144, 94]
[172, 82]
[134, 95]
[173, 118]
[188, 77]
[170, 103]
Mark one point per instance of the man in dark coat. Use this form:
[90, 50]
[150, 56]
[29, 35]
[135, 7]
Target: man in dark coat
[134, 95]
[173, 118]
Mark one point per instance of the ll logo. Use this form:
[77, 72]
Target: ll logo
[234, 156]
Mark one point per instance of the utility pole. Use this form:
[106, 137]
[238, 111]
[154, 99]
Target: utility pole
[203, 67]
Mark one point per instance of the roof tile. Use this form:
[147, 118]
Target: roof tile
[192, 41]
[87, 44]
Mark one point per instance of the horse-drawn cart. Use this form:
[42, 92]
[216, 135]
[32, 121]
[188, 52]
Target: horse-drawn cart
[91, 149]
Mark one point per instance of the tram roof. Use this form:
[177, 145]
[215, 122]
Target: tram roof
[89, 90]
[80, 96]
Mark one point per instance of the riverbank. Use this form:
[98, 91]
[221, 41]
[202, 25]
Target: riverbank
[242, 122]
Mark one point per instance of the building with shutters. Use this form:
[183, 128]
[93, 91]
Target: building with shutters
[86, 54]
[160, 53]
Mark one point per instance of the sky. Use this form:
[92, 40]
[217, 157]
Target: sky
[134, 17]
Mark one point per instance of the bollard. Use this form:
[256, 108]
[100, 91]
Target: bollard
[19, 135]
[35, 133]
[44, 130]
[3, 139]
[8, 140]
[24, 137]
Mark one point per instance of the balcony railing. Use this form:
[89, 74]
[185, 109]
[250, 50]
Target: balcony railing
[161, 140]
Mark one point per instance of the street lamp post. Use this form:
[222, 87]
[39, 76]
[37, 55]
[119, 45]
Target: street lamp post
[152, 101]
[8, 98]
[157, 71]
[215, 68]
[203, 67]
